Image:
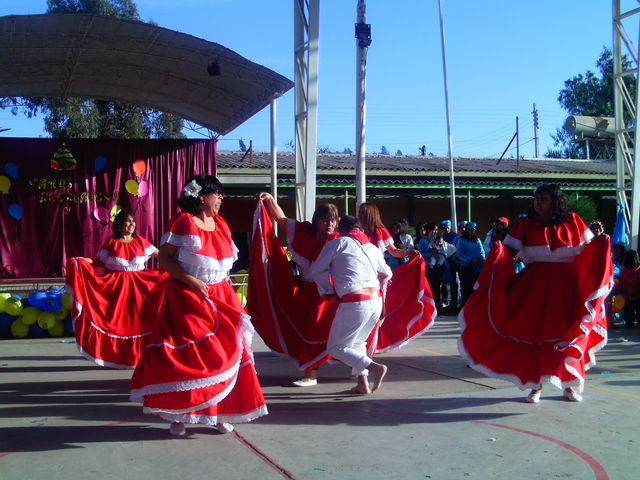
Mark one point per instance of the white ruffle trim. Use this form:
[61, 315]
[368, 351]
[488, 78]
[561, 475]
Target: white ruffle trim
[118, 264]
[209, 420]
[191, 242]
[103, 363]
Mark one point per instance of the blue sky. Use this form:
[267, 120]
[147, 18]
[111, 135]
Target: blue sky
[503, 56]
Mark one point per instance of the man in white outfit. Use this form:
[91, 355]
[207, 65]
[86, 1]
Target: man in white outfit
[353, 270]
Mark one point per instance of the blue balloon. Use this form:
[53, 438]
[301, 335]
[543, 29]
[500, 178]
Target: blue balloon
[37, 331]
[38, 299]
[6, 320]
[12, 170]
[15, 211]
[52, 302]
[101, 163]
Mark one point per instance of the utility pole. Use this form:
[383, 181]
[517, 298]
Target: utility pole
[536, 130]
[363, 40]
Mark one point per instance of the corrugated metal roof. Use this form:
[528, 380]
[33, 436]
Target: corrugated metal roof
[92, 56]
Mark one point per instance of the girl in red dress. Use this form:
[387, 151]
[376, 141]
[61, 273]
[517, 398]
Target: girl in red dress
[291, 316]
[545, 323]
[409, 308]
[198, 366]
[108, 328]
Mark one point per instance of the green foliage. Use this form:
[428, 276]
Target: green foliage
[242, 146]
[584, 206]
[87, 118]
[384, 150]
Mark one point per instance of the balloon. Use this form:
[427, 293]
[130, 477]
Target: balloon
[132, 187]
[139, 168]
[19, 329]
[101, 214]
[62, 314]
[3, 298]
[116, 209]
[15, 211]
[101, 163]
[29, 315]
[67, 301]
[68, 325]
[57, 330]
[36, 299]
[12, 170]
[52, 303]
[46, 320]
[13, 306]
[143, 188]
[5, 184]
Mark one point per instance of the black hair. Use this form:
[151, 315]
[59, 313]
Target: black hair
[559, 203]
[631, 259]
[208, 184]
[119, 220]
[347, 224]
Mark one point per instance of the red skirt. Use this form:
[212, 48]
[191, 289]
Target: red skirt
[106, 313]
[541, 325]
[409, 308]
[198, 365]
[293, 320]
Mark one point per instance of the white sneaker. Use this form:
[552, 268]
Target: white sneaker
[224, 427]
[571, 395]
[177, 429]
[534, 396]
[306, 382]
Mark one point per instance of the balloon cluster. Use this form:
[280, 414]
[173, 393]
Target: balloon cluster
[13, 172]
[38, 315]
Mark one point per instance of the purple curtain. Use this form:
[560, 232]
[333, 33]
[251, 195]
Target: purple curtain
[50, 211]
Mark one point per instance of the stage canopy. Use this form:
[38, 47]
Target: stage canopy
[91, 56]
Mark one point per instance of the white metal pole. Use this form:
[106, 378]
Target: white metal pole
[274, 149]
[454, 217]
[361, 111]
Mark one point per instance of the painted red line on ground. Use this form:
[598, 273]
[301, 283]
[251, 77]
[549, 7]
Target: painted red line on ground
[266, 458]
[598, 469]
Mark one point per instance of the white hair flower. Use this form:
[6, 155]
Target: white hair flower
[192, 189]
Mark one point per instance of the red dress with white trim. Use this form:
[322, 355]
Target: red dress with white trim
[409, 308]
[106, 312]
[288, 313]
[198, 366]
[545, 323]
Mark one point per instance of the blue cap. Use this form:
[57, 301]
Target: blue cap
[472, 225]
[446, 223]
[462, 223]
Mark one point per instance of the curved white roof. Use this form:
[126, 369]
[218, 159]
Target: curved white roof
[91, 56]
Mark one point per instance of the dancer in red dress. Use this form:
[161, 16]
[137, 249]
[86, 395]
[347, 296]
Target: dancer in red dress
[108, 328]
[291, 316]
[409, 308]
[198, 366]
[545, 323]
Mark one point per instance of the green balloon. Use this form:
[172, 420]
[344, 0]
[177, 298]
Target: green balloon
[19, 329]
[29, 315]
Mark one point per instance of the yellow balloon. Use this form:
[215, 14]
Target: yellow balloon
[67, 301]
[5, 184]
[57, 330]
[132, 187]
[61, 314]
[46, 320]
[13, 306]
[114, 211]
[29, 315]
[19, 329]
[3, 297]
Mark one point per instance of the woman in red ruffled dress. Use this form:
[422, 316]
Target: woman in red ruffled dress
[198, 366]
[409, 308]
[545, 323]
[291, 316]
[107, 324]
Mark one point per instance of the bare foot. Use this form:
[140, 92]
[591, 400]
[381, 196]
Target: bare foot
[360, 390]
[378, 371]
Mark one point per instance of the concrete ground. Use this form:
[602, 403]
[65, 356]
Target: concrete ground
[61, 417]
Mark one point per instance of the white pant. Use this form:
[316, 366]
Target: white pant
[351, 327]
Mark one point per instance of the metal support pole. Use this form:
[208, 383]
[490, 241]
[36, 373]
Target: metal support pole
[306, 44]
[536, 130]
[454, 217]
[361, 109]
[469, 206]
[274, 149]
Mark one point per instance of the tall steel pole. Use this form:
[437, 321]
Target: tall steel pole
[454, 217]
[274, 149]
[306, 50]
[361, 103]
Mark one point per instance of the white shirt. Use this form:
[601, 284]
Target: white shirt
[345, 266]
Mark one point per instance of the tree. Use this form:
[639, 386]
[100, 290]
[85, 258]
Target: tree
[589, 94]
[398, 153]
[242, 146]
[86, 118]
[384, 150]
[584, 206]
[347, 151]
